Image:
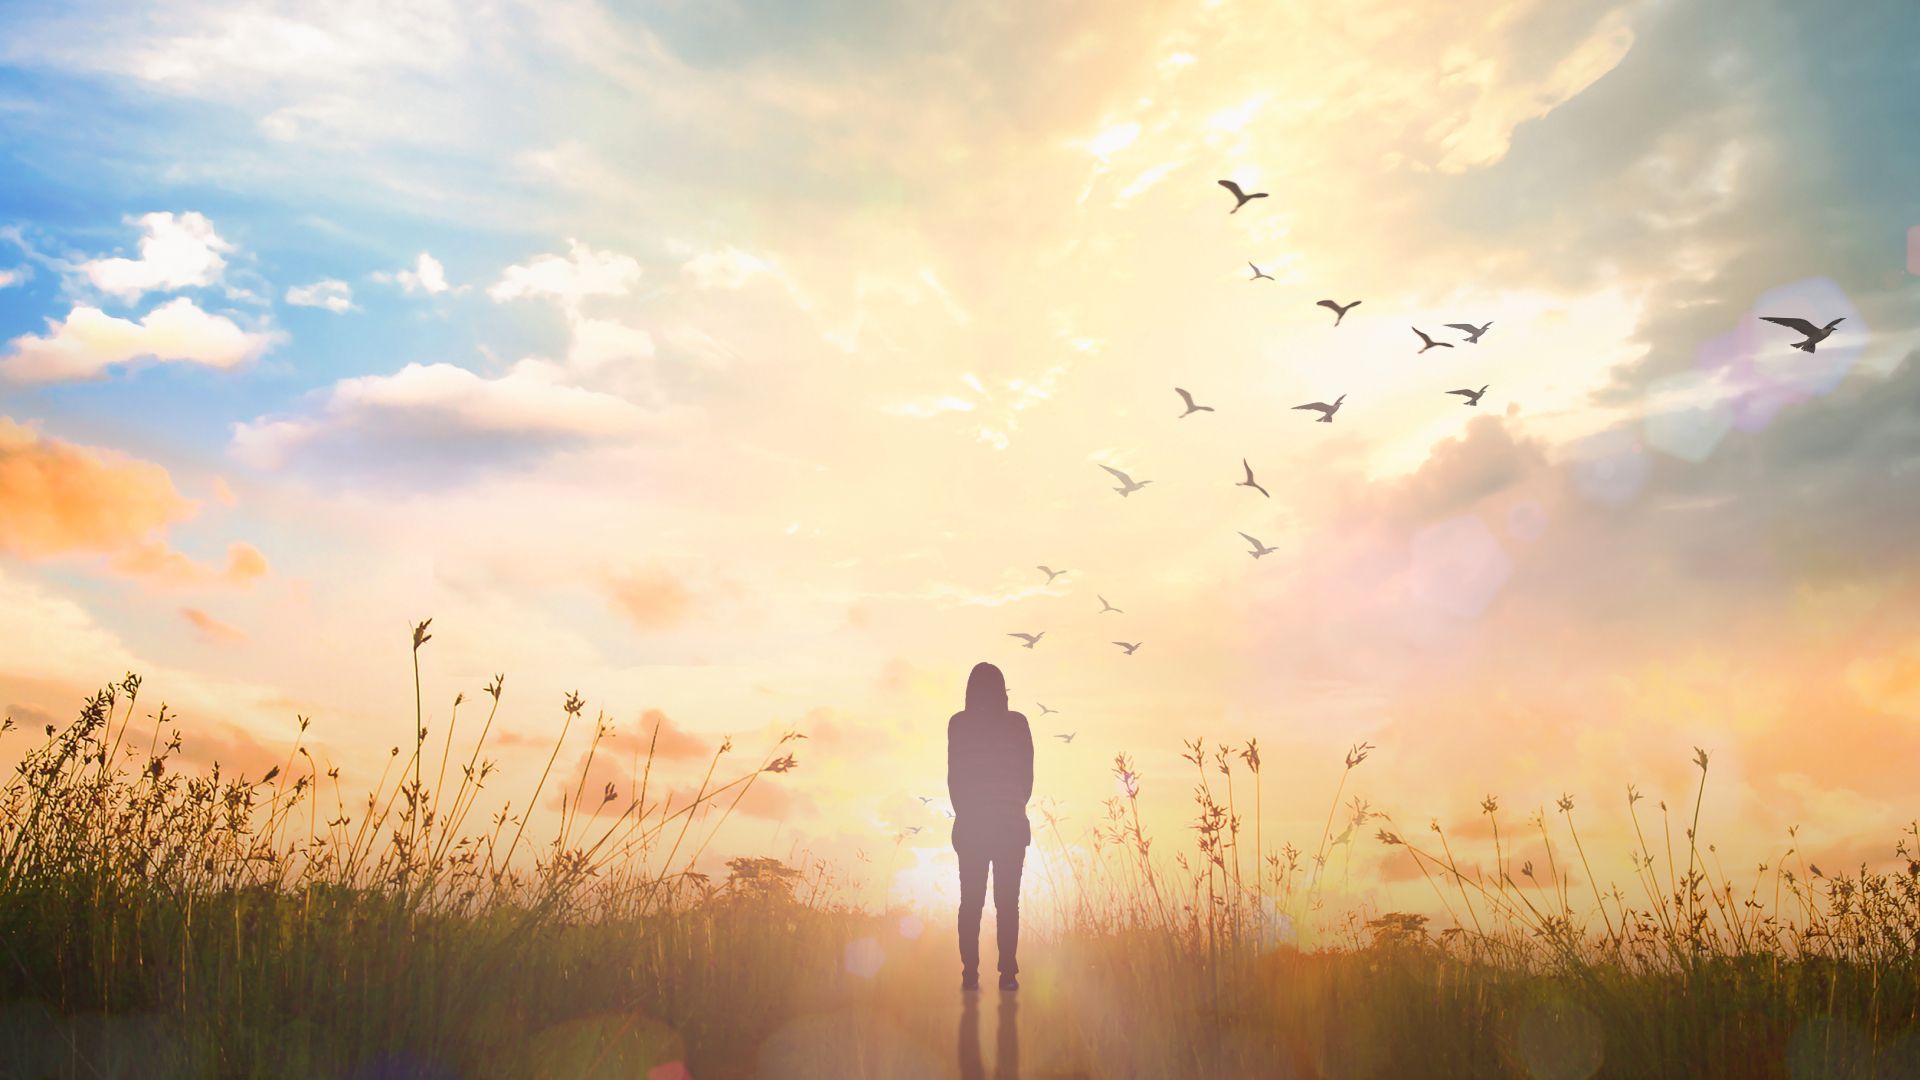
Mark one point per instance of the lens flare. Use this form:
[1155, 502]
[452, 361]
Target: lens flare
[1819, 300]
[1458, 566]
[864, 958]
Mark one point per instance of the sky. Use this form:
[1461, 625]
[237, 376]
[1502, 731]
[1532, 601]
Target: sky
[737, 364]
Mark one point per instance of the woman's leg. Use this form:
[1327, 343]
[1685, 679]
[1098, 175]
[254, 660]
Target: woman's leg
[973, 897]
[1006, 905]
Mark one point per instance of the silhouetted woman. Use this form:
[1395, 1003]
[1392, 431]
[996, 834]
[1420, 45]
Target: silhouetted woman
[989, 780]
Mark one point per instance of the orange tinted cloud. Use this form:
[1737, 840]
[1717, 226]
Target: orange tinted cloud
[211, 628]
[586, 784]
[773, 801]
[160, 564]
[244, 563]
[29, 717]
[1888, 683]
[56, 497]
[229, 746]
[767, 799]
[652, 598]
[673, 743]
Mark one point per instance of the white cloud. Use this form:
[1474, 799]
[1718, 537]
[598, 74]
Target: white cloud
[177, 252]
[66, 643]
[728, 268]
[1483, 135]
[1146, 181]
[88, 341]
[335, 296]
[1236, 118]
[439, 399]
[597, 342]
[10, 278]
[568, 279]
[1113, 140]
[426, 276]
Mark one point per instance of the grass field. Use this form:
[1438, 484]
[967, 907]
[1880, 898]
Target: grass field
[158, 923]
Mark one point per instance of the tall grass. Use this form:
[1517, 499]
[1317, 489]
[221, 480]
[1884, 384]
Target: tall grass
[1791, 972]
[227, 924]
[285, 926]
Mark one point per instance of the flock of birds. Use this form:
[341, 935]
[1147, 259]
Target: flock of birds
[1812, 336]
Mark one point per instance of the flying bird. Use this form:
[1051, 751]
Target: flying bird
[1259, 548]
[1051, 574]
[1472, 396]
[1430, 343]
[1128, 646]
[925, 800]
[1250, 482]
[1815, 334]
[1473, 332]
[1106, 607]
[914, 829]
[1339, 310]
[1043, 708]
[1324, 409]
[1191, 407]
[1030, 639]
[1067, 738]
[1128, 485]
[1257, 272]
[1241, 197]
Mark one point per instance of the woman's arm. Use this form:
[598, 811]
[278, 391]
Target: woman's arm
[1026, 761]
[959, 784]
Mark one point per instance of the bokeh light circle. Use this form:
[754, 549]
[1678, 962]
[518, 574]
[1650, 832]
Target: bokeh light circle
[864, 958]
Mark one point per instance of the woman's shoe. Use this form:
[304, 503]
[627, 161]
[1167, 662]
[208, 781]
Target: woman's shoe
[1008, 982]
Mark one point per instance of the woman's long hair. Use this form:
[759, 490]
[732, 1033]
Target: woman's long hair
[986, 690]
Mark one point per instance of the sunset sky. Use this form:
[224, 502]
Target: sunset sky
[735, 364]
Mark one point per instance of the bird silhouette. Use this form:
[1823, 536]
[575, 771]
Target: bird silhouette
[1814, 334]
[1128, 485]
[1191, 407]
[1128, 646]
[1067, 738]
[1044, 710]
[913, 829]
[1030, 639]
[1473, 332]
[1324, 409]
[1257, 272]
[925, 800]
[1430, 343]
[1051, 574]
[1241, 198]
[1339, 310]
[1106, 607]
[1259, 548]
[1250, 482]
[1472, 396]
[949, 813]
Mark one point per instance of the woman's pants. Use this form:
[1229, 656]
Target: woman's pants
[1005, 862]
